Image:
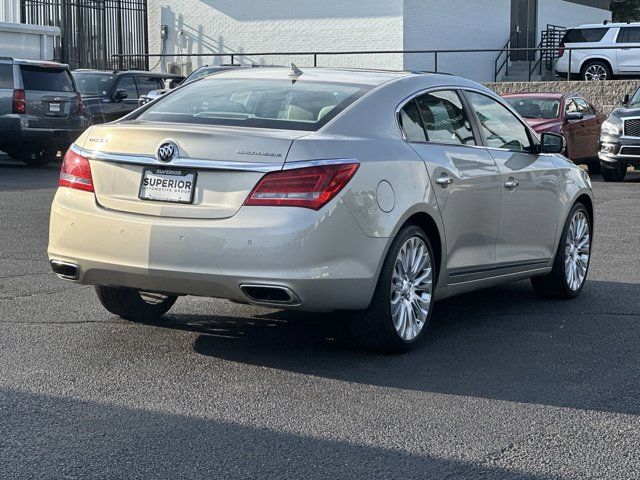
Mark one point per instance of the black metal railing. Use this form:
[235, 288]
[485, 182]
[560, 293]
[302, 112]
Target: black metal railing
[506, 51]
[549, 44]
[436, 54]
[93, 31]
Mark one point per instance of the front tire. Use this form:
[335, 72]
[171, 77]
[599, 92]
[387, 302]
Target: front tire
[132, 304]
[615, 173]
[594, 168]
[397, 317]
[571, 263]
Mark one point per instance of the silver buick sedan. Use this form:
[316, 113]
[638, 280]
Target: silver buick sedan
[321, 189]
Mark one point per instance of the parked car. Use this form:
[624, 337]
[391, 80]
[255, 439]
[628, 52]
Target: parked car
[324, 189]
[601, 64]
[108, 96]
[569, 115]
[620, 139]
[40, 110]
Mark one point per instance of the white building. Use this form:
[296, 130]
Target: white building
[10, 11]
[260, 26]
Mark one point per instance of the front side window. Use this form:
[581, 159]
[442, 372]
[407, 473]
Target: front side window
[535, 107]
[571, 107]
[257, 103]
[584, 107]
[500, 127]
[635, 99]
[46, 79]
[127, 83]
[444, 118]
[93, 83]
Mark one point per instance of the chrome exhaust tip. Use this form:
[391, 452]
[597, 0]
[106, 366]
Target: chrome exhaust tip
[270, 295]
[66, 270]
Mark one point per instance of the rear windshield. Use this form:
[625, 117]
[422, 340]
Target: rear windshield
[93, 83]
[6, 75]
[584, 35]
[46, 79]
[528, 107]
[258, 103]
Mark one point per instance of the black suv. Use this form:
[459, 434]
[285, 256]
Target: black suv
[108, 96]
[40, 110]
[620, 139]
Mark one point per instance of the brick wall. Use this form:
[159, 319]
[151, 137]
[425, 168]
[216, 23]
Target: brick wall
[605, 96]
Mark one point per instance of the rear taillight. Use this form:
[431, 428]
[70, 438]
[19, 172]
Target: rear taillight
[307, 187]
[80, 106]
[561, 50]
[75, 172]
[19, 103]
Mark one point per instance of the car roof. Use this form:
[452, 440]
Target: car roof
[606, 25]
[130, 72]
[370, 77]
[42, 63]
[551, 95]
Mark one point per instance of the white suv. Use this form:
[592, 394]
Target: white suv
[601, 64]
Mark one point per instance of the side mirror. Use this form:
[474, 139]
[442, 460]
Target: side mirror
[552, 143]
[574, 116]
[120, 95]
[625, 99]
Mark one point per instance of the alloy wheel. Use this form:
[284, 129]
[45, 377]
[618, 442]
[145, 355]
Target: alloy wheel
[411, 289]
[153, 298]
[577, 251]
[595, 73]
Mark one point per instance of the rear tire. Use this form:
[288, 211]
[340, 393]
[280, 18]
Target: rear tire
[596, 71]
[614, 173]
[132, 304]
[400, 311]
[564, 282]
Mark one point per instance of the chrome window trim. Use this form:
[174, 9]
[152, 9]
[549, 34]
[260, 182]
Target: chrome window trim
[413, 96]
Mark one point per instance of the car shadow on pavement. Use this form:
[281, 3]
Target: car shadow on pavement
[502, 343]
[68, 438]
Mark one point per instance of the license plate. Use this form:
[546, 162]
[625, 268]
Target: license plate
[54, 107]
[165, 184]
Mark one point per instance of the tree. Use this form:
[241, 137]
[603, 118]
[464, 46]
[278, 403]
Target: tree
[625, 10]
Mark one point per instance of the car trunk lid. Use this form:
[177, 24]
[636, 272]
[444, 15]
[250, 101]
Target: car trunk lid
[224, 163]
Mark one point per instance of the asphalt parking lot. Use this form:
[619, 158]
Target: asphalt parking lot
[506, 386]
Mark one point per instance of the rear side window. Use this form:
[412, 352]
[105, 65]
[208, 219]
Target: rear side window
[6, 75]
[46, 79]
[629, 35]
[258, 103]
[146, 84]
[411, 123]
[444, 118]
[584, 35]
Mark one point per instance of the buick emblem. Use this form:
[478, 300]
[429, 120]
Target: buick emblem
[167, 151]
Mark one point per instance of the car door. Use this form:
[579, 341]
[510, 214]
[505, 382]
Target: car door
[464, 178]
[530, 194]
[571, 130]
[590, 128]
[628, 53]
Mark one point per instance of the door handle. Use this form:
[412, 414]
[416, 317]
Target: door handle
[511, 184]
[444, 181]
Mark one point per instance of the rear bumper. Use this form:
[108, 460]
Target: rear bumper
[322, 257]
[15, 131]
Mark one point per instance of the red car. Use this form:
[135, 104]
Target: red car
[567, 114]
